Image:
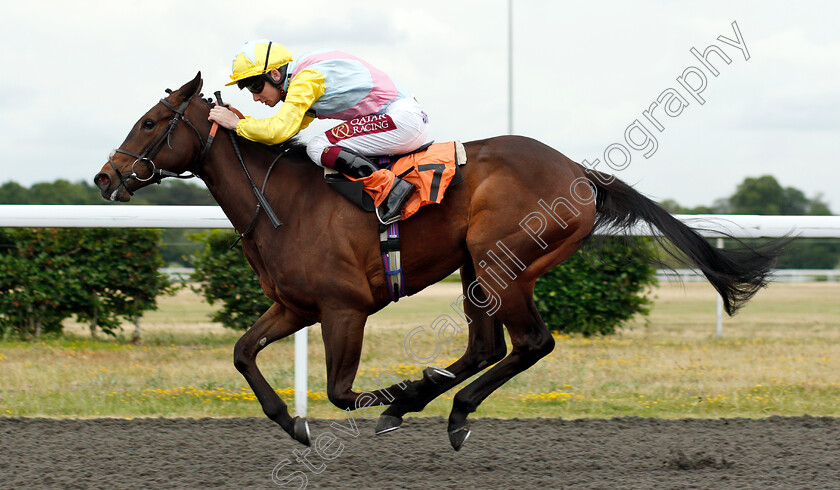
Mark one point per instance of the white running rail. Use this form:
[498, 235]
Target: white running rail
[203, 217]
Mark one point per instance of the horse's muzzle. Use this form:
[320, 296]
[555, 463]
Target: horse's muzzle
[107, 188]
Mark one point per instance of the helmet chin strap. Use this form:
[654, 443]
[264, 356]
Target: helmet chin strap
[278, 84]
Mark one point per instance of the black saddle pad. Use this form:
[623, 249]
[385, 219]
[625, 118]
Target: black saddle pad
[352, 190]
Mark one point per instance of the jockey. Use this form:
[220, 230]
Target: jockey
[380, 118]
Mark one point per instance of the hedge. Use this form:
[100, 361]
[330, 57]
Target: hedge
[593, 292]
[598, 288]
[223, 275]
[101, 276]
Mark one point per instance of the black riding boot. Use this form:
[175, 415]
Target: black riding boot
[359, 167]
[354, 165]
[392, 206]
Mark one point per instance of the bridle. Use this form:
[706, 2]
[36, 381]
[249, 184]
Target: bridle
[147, 156]
[159, 174]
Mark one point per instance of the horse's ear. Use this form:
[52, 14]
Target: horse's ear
[192, 87]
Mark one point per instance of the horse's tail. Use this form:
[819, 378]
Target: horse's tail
[737, 274]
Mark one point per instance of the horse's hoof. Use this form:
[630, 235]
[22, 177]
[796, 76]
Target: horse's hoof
[301, 431]
[459, 436]
[437, 375]
[387, 423]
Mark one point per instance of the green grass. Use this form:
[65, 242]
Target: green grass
[779, 356]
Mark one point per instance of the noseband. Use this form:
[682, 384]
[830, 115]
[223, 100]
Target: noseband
[146, 158]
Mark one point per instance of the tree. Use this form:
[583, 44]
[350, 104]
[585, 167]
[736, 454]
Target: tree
[64, 192]
[177, 192]
[14, 193]
[765, 196]
[673, 207]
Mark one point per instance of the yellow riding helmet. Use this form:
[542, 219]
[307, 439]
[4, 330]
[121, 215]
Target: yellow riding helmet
[258, 57]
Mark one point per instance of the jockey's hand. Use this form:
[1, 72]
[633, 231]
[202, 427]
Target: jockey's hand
[224, 116]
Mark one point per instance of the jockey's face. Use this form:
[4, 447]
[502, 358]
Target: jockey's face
[270, 95]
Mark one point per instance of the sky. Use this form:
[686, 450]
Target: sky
[591, 79]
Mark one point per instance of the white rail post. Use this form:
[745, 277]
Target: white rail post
[301, 368]
[719, 329]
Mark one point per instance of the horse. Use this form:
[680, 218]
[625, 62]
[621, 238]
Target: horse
[523, 208]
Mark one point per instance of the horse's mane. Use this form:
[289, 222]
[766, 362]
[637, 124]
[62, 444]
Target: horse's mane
[293, 149]
[294, 146]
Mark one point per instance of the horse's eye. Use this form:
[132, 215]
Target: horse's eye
[148, 124]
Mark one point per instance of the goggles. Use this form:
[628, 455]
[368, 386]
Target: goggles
[255, 85]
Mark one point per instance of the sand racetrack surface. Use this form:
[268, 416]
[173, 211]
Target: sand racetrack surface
[776, 452]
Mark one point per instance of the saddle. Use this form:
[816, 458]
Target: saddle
[432, 169]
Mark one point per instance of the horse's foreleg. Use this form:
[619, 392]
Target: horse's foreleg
[274, 324]
[486, 346]
[343, 332]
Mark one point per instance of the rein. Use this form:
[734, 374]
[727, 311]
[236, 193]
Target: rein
[261, 200]
[269, 211]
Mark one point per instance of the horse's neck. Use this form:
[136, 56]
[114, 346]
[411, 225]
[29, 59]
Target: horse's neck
[228, 183]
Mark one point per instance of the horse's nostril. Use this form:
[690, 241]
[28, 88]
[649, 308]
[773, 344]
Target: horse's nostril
[102, 181]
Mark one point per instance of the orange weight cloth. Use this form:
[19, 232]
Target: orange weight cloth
[430, 171]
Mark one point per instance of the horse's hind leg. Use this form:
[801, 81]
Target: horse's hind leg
[274, 324]
[531, 341]
[486, 346]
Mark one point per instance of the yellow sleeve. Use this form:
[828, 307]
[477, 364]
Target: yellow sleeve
[307, 87]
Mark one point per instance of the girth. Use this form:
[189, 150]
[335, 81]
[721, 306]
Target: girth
[389, 247]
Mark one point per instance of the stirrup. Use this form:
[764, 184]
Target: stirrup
[400, 192]
[391, 221]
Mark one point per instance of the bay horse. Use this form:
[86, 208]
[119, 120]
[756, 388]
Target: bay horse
[518, 196]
